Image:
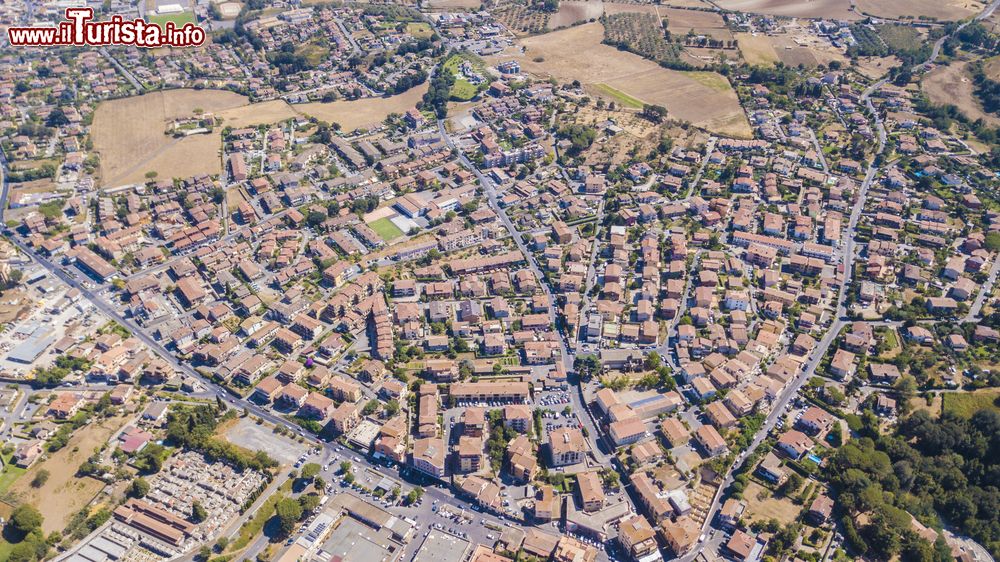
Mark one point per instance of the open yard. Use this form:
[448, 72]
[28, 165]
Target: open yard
[577, 53]
[762, 505]
[128, 134]
[386, 229]
[938, 9]
[64, 493]
[951, 84]
[363, 113]
[836, 9]
[965, 404]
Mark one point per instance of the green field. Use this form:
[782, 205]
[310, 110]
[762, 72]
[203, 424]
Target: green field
[178, 19]
[10, 473]
[463, 90]
[965, 404]
[386, 229]
[619, 96]
[419, 30]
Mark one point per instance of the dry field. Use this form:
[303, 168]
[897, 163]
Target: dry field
[256, 114]
[129, 135]
[762, 506]
[938, 9]
[951, 84]
[703, 98]
[573, 11]
[64, 493]
[991, 67]
[362, 113]
[838, 9]
[453, 5]
[757, 49]
[876, 67]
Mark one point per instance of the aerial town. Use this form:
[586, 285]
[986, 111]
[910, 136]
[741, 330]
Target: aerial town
[503, 281]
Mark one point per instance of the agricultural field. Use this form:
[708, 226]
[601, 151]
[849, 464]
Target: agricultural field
[453, 5]
[128, 134]
[522, 19]
[757, 49]
[575, 11]
[951, 84]
[834, 9]
[357, 114]
[577, 53]
[948, 10]
[641, 34]
[64, 493]
[619, 97]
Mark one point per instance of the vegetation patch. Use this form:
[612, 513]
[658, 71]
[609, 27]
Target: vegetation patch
[619, 96]
[386, 229]
[965, 404]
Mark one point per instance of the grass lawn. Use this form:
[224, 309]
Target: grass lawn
[620, 97]
[965, 404]
[255, 525]
[419, 30]
[10, 474]
[178, 19]
[386, 229]
[463, 90]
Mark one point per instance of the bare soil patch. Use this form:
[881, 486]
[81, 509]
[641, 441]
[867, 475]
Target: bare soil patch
[704, 99]
[762, 505]
[365, 112]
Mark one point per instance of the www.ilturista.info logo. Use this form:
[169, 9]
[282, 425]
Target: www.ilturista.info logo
[79, 29]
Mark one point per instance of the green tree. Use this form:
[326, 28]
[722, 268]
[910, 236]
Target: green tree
[41, 477]
[25, 519]
[289, 511]
[139, 488]
[198, 512]
[310, 470]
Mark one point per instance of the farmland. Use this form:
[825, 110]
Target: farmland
[572, 12]
[577, 53]
[356, 114]
[522, 19]
[620, 97]
[640, 34]
[907, 9]
[837, 9]
[128, 134]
